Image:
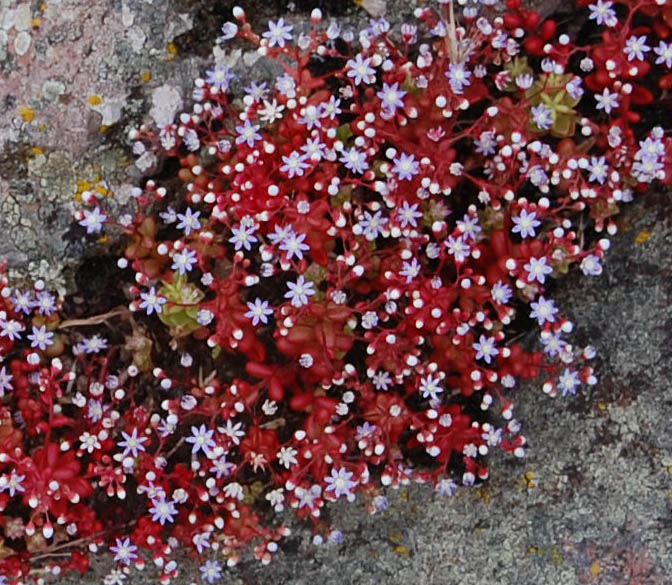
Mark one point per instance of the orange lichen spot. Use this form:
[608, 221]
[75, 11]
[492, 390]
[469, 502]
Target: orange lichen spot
[642, 237]
[27, 113]
[104, 129]
[95, 100]
[35, 150]
[401, 550]
[146, 76]
[172, 49]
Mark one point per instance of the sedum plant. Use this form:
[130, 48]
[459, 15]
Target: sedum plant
[332, 303]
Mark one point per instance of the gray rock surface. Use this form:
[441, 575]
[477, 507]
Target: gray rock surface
[591, 502]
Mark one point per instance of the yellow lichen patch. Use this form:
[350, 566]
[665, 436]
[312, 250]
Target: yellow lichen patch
[401, 550]
[146, 76]
[595, 569]
[528, 480]
[42, 127]
[96, 184]
[104, 129]
[95, 100]
[35, 150]
[535, 550]
[36, 22]
[602, 405]
[642, 237]
[27, 113]
[172, 51]
[556, 556]
[483, 493]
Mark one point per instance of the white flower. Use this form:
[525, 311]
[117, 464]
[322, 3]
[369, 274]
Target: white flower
[599, 169]
[486, 348]
[457, 247]
[360, 70]
[12, 483]
[124, 551]
[525, 224]
[294, 164]
[341, 483]
[188, 221]
[369, 320]
[406, 167]
[229, 31]
[293, 244]
[430, 387]
[151, 301]
[664, 52]
[372, 225]
[501, 293]
[542, 116]
[278, 32]
[591, 266]
[607, 101]
[635, 47]
[568, 382]
[5, 381]
[299, 291]
[234, 490]
[247, 134]
[602, 13]
[391, 97]
[40, 337]
[211, 571]
[287, 457]
[132, 443]
[93, 220]
[184, 261]
[538, 269]
[354, 160]
[408, 215]
[234, 432]
[258, 312]
[271, 112]
[243, 237]
[201, 439]
[543, 311]
[162, 510]
[89, 442]
[459, 76]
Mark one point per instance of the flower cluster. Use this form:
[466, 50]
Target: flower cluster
[334, 301]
